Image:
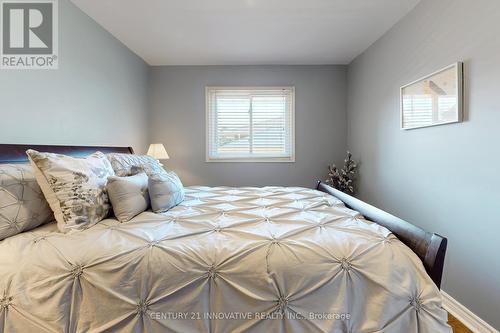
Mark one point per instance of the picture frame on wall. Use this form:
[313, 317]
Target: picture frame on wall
[435, 99]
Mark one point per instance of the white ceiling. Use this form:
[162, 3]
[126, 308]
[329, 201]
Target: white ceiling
[247, 32]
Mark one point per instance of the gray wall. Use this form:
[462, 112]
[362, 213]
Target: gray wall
[178, 120]
[97, 96]
[444, 178]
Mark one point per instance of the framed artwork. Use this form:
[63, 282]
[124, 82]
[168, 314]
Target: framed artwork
[435, 99]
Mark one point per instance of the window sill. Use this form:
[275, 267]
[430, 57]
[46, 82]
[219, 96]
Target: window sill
[252, 160]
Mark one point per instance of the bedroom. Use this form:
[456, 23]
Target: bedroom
[252, 101]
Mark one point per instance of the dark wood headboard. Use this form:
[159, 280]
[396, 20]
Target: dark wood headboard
[10, 153]
[429, 247]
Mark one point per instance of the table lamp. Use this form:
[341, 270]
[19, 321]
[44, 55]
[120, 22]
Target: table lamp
[158, 151]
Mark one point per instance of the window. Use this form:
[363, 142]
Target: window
[250, 124]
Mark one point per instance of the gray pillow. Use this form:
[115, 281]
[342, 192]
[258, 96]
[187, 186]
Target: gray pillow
[129, 195]
[165, 191]
[22, 204]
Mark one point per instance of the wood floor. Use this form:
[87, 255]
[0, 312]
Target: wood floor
[457, 326]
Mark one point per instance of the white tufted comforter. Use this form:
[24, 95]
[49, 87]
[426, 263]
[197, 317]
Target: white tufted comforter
[226, 260]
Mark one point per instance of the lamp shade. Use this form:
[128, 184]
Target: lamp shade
[157, 150]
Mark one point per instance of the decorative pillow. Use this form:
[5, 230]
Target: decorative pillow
[74, 187]
[22, 204]
[128, 164]
[165, 191]
[129, 195]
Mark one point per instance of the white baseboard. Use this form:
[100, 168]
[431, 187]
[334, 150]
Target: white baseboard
[466, 317]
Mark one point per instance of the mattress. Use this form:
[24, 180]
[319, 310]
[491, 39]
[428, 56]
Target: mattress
[269, 259]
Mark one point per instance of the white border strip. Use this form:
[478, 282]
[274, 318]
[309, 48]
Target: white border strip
[465, 316]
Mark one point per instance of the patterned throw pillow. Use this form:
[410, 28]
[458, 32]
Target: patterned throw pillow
[74, 187]
[22, 204]
[165, 191]
[128, 164]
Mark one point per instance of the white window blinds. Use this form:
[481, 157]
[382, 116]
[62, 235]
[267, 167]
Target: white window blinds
[250, 124]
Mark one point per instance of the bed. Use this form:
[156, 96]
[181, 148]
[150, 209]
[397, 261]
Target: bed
[270, 259]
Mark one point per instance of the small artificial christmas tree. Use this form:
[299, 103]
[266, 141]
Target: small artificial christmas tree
[343, 179]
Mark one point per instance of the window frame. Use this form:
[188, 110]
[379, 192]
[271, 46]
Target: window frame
[266, 159]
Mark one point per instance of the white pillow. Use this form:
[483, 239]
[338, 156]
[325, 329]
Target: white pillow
[129, 195]
[75, 188]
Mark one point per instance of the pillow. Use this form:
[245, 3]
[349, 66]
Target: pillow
[22, 204]
[74, 187]
[165, 191]
[129, 164]
[129, 195]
